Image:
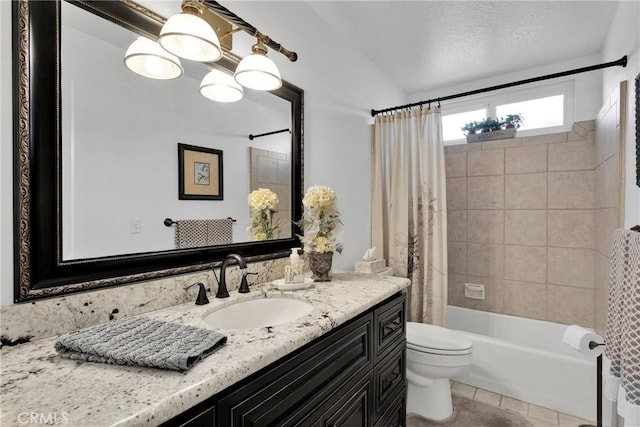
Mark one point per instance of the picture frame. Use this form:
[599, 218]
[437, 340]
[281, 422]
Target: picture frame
[200, 174]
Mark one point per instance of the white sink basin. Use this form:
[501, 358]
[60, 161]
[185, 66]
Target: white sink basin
[257, 313]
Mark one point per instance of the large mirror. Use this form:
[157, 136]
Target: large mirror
[118, 174]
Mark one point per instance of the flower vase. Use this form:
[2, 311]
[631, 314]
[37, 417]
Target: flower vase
[320, 264]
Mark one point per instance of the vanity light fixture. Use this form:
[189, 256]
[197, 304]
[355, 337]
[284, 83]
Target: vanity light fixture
[189, 36]
[256, 71]
[147, 58]
[221, 87]
[195, 34]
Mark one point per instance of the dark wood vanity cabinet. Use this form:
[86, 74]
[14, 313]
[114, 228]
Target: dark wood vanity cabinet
[351, 376]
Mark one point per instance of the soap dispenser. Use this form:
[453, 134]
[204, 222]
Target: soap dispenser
[293, 272]
[294, 258]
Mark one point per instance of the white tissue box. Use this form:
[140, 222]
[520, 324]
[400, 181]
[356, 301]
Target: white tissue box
[370, 267]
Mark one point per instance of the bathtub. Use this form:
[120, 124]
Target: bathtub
[527, 360]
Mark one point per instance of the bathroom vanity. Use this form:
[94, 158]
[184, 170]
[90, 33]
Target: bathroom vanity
[354, 375]
[343, 364]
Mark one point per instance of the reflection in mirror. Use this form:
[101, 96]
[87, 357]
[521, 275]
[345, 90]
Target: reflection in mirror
[270, 172]
[97, 161]
[120, 133]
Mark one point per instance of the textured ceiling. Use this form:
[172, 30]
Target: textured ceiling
[423, 45]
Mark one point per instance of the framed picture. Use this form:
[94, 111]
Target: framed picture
[199, 173]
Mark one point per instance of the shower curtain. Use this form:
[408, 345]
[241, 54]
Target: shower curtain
[409, 208]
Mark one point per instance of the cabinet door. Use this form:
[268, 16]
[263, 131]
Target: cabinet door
[289, 392]
[348, 407]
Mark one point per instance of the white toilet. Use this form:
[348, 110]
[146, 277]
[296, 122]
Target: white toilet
[434, 355]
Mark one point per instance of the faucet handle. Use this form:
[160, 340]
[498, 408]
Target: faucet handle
[244, 284]
[202, 293]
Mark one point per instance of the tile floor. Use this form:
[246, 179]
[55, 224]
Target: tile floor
[539, 416]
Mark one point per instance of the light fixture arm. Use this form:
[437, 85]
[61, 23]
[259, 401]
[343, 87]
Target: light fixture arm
[250, 29]
[228, 33]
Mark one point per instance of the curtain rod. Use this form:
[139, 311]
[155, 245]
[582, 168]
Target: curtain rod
[252, 136]
[622, 62]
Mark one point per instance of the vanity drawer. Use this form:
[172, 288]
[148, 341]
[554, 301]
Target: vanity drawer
[389, 378]
[390, 325]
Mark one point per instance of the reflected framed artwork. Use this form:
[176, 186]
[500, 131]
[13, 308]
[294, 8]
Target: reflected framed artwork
[199, 173]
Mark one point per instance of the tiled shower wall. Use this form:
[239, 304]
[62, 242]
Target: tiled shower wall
[521, 222]
[608, 194]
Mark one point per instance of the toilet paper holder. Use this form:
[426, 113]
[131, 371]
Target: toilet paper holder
[586, 341]
[593, 344]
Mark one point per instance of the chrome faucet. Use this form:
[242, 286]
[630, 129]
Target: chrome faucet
[222, 284]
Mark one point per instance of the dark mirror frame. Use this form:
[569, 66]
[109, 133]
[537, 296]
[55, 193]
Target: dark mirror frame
[39, 270]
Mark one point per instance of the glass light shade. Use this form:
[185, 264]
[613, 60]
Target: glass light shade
[220, 87]
[190, 37]
[147, 58]
[256, 71]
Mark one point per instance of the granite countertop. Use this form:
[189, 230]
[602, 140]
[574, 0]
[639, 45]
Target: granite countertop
[35, 380]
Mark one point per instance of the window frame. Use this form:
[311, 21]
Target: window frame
[508, 96]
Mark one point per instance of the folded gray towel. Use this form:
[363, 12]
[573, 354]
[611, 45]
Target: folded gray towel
[141, 341]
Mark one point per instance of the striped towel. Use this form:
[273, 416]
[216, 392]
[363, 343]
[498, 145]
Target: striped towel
[143, 342]
[622, 335]
[193, 233]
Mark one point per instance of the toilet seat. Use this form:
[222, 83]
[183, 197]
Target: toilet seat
[432, 339]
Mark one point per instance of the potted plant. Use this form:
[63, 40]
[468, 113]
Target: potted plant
[489, 125]
[320, 220]
[262, 203]
[513, 121]
[492, 128]
[470, 128]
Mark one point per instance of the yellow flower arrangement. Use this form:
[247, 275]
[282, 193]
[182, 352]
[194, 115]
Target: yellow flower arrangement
[262, 199]
[319, 198]
[261, 205]
[322, 245]
[320, 220]
[260, 236]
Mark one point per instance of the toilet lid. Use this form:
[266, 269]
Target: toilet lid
[434, 339]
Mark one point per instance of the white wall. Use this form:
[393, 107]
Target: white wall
[587, 86]
[120, 149]
[341, 86]
[624, 39]
[6, 161]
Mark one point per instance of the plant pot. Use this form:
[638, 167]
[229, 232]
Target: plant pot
[320, 264]
[491, 135]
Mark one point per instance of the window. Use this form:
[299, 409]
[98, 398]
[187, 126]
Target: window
[545, 109]
[452, 123]
[538, 113]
